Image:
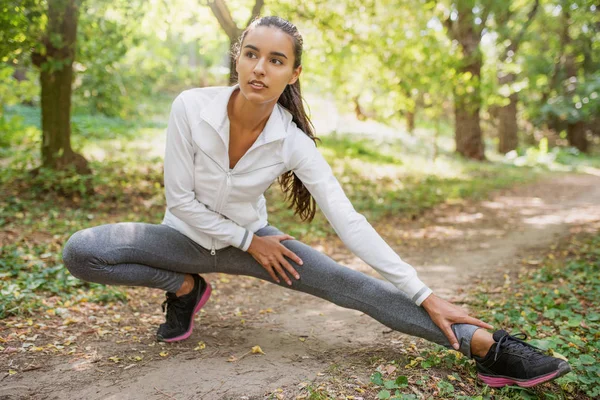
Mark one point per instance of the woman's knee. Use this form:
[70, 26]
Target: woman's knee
[77, 254]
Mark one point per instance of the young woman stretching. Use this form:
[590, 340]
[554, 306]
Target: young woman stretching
[225, 147]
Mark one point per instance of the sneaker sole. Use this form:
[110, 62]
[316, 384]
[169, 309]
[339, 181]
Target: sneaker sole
[501, 381]
[200, 304]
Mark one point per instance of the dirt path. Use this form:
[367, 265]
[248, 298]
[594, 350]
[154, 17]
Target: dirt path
[305, 337]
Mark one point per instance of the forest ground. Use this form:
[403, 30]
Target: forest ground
[95, 351]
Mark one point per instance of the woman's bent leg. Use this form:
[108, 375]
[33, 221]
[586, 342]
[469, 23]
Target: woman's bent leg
[135, 254]
[324, 278]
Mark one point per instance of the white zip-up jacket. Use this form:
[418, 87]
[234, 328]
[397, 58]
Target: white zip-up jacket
[218, 207]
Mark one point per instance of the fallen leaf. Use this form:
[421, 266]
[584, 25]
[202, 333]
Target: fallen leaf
[201, 346]
[257, 350]
[163, 353]
[558, 355]
[114, 359]
[69, 321]
[12, 372]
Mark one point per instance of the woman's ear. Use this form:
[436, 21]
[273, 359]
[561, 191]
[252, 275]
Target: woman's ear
[296, 75]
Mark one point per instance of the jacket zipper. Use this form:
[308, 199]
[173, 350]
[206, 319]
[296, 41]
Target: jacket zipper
[229, 174]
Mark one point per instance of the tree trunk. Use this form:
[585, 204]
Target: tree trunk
[360, 115]
[410, 121]
[468, 130]
[576, 134]
[56, 79]
[507, 115]
[507, 127]
[467, 104]
[467, 91]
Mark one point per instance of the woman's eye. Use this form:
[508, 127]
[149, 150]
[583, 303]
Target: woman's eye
[276, 61]
[250, 54]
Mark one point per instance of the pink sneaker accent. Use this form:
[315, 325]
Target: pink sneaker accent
[200, 304]
[498, 381]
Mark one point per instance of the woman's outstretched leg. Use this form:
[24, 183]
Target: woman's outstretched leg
[324, 278]
[504, 359]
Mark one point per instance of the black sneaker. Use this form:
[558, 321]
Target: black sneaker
[181, 311]
[511, 361]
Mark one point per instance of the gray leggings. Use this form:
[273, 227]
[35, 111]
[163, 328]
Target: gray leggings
[158, 256]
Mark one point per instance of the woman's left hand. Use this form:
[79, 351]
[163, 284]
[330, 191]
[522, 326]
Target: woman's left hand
[444, 314]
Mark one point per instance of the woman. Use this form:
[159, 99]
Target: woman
[225, 146]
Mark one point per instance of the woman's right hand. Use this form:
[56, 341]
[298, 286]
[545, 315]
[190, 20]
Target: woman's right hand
[445, 314]
[269, 253]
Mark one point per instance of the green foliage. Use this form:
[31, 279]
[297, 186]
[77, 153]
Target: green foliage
[105, 35]
[29, 275]
[559, 63]
[397, 387]
[582, 105]
[20, 24]
[557, 305]
[387, 179]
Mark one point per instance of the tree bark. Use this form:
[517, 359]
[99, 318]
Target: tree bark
[467, 105]
[56, 78]
[507, 123]
[576, 135]
[467, 92]
[508, 128]
[468, 138]
[576, 131]
[410, 121]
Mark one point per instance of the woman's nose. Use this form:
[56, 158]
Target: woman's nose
[259, 67]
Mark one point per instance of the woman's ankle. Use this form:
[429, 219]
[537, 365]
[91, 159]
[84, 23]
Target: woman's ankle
[187, 286]
[481, 342]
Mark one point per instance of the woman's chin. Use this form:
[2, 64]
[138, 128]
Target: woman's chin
[258, 97]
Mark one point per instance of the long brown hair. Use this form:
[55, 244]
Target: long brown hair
[291, 99]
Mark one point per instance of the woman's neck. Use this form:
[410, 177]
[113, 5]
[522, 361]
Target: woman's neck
[248, 117]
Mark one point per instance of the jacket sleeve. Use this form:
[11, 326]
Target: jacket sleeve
[179, 185]
[353, 228]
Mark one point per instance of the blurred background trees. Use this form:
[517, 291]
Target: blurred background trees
[510, 74]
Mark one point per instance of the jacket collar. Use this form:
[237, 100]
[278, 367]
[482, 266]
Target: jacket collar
[215, 114]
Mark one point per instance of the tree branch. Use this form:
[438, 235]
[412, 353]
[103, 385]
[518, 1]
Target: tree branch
[256, 10]
[514, 44]
[221, 12]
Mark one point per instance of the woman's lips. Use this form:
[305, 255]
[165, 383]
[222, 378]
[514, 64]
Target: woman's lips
[257, 86]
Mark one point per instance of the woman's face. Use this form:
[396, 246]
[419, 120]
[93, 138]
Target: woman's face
[265, 65]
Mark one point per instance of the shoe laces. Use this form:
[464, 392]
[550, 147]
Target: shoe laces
[170, 306]
[516, 343]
